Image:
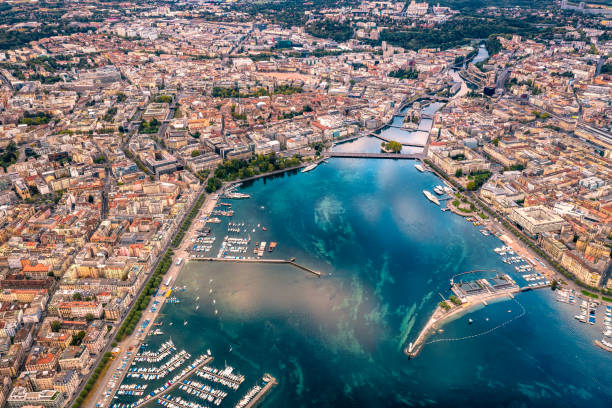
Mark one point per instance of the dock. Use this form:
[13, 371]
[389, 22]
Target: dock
[257, 398]
[175, 384]
[270, 261]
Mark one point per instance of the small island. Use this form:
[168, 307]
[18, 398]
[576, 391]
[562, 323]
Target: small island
[391, 147]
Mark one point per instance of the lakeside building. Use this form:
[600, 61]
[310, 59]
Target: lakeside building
[454, 158]
[537, 219]
[21, 397]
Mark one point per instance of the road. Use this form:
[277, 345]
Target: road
[600, 64]
[103, 394]
[501, 78]
[5, 80]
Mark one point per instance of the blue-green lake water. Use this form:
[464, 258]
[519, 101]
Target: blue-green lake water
[387, 254]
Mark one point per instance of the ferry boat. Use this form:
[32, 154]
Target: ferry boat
[419, 167]
[236, 196]
[431, 197]
[310, 167]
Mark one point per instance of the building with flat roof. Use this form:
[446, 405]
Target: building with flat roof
[20, 397]
[537, 219]
[454, 158]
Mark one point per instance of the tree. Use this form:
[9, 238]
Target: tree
[195, 153]
[90, 199]
[89, 317]
[77, 296]
[393, 146]
[77, 338]
[55, 326]
[459, 173]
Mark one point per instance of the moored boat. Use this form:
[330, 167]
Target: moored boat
[309, 167]
[431, 197]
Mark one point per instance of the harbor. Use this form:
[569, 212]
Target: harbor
[197, 383]
[267, 318]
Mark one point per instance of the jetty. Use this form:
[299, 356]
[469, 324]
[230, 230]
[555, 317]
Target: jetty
[176, 383]
[271, 382]
[251, 260]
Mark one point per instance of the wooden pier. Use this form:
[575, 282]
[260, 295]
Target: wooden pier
[270, 261]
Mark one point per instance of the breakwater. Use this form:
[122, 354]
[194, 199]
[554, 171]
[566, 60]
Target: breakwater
[268, 261]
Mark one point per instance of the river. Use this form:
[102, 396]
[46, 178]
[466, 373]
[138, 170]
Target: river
[370, 144]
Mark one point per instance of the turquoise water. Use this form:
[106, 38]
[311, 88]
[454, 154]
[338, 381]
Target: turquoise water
[387, 254]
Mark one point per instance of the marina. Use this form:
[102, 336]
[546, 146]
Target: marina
[203, 391]
[197, 381]
[225, 376]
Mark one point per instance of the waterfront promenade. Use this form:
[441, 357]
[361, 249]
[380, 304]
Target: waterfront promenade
[108, 384]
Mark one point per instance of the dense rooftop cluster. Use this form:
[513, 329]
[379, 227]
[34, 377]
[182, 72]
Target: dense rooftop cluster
[111, 130]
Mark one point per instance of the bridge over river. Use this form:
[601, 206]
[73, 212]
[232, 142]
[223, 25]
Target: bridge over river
[397, 156]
